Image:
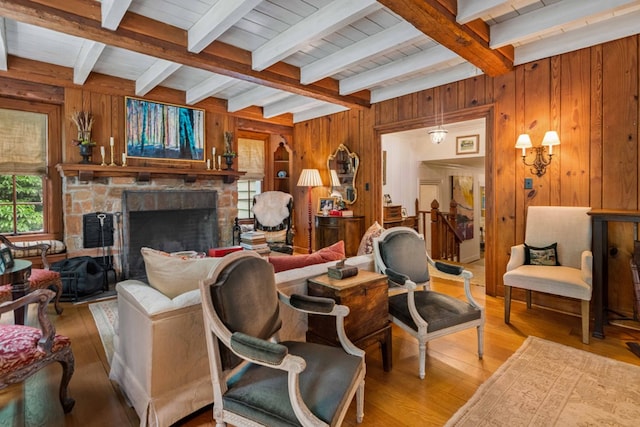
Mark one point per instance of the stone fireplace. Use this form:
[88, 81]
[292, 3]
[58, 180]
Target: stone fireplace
[107, 194]
[169, 220]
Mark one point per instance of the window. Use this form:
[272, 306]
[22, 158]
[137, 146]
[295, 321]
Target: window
[251, 160]
[21, 207]
[247, 188]
[23, 167]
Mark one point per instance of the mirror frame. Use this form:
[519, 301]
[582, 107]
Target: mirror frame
[355, 164]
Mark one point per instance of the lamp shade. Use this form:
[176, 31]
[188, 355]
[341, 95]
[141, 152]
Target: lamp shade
[310, 178]
[524, 141]
[551, 138]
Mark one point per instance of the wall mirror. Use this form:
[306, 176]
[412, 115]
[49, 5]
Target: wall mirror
[343, 167]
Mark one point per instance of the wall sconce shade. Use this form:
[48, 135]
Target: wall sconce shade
[540, 163]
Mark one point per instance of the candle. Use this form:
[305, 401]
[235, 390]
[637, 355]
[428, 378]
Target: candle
[208, 164]
[124, 159]
[111, 141]
[102, 151]
[213, 153]
[220, 162]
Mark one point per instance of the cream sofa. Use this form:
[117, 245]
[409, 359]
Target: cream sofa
[160, 357]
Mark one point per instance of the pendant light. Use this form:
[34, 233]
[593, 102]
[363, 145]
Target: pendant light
[439, 134]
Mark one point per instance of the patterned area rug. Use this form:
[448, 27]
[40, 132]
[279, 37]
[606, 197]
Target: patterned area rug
[549, 384]
[105, 314]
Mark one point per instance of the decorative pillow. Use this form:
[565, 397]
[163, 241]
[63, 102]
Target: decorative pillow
[174, 275]
[366, 244]
[334, 252]
[547, 255]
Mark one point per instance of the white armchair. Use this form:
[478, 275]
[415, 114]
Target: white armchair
[565, 271]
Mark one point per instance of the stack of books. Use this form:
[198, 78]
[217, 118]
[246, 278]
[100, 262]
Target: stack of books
[254, 241]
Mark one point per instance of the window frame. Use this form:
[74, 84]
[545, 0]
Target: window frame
[52, 181]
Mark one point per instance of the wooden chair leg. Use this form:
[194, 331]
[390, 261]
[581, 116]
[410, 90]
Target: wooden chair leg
[507, 303]
[585, 321]
[67, 361]
[58, 285]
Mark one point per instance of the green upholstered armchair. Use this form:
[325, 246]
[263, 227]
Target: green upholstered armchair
[258, 380]
[400, 253]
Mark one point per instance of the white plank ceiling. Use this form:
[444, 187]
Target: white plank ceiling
[308, 58]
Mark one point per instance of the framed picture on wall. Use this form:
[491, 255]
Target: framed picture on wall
[163, 131]
[467, 144]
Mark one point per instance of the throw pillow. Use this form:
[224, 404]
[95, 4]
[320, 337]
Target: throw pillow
[547, 255]
[174, 275]
[366, 244]
[334, 252]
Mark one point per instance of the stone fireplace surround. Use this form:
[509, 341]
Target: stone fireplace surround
[106, 195]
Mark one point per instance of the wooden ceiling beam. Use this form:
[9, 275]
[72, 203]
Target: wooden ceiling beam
[149, 37]
[439, 23]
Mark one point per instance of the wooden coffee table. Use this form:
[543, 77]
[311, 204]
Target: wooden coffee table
[368, 321]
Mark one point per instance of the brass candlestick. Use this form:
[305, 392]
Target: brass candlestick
[112, 162]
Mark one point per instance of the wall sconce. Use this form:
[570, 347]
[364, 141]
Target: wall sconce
[540, 163]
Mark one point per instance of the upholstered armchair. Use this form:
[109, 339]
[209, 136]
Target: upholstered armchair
[272, 212]
[25, 350]
[401, 254]
[555, 258]
[41, 278]
[258, 380]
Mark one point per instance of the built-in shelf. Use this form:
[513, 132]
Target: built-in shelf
[87, 172]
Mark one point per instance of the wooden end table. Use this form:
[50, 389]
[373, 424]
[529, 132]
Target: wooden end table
[18, 277]
[368, 321]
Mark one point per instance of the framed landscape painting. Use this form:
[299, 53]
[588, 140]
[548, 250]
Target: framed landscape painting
[467, 144]
[164, 131]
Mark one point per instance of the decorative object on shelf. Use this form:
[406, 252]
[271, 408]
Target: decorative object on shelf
[111, 147]
[228, 154]
[540, 163]
[124, 159]
[84, 122]
[387, 199]
[164, 131]
[467, 144]
[282, 174]
[309, 178]
[439, 134]
[102, 153]
[343, 168]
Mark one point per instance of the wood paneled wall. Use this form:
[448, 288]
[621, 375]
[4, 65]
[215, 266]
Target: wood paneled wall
[589, 96]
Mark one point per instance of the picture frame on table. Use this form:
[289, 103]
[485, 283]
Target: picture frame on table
[328, 202]
[467, 144]
[6, 257]
[159, 131]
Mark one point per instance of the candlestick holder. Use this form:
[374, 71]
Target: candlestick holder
[112, 162]
[102, 154]
[124, 160]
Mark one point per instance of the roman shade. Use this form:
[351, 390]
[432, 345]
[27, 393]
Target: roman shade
[23, 142]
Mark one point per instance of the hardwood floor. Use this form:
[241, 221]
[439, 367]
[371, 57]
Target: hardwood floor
[396, 398]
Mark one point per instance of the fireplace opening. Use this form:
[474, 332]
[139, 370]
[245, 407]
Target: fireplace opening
[170, 221]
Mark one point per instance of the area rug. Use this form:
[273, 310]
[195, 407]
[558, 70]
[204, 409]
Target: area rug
[105, 314]
[549, 384]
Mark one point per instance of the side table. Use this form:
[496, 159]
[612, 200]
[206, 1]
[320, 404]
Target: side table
[368, 321]
[18, 277]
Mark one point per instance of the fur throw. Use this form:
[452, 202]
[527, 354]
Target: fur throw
[270, 207]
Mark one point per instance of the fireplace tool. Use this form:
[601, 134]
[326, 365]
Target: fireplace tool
[98, 233]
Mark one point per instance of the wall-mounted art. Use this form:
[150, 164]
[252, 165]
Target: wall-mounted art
[164, 131]
[467, 144]
[462, 193]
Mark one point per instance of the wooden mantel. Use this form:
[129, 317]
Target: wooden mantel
[87, 172]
